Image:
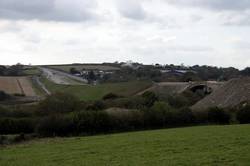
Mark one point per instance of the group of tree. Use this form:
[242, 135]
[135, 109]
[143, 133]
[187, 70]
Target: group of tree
[15, 70]
[171, 72]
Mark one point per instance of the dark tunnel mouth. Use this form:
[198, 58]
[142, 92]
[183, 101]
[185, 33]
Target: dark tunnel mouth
[206, 89]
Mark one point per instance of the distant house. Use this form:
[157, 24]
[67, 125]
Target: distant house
[165, 71]
[93, 76]
[131, 65]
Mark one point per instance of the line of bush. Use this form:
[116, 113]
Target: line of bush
[63, 115]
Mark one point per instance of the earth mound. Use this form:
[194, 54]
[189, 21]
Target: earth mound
[231, 94]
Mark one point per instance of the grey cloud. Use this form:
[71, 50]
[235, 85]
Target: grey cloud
[214, 4]
[131, 9]
[235, 18]
[243, 45]
[50, 10]
[194, 48]
[10, 27]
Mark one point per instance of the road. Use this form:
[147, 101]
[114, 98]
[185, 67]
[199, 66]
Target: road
[62, 78]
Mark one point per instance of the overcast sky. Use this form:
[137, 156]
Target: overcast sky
[212, 32]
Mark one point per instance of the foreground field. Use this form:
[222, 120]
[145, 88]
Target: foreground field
[17, 85]
[210, 145]
[90, 92]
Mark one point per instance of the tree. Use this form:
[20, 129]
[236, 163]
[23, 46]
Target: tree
[91, 76]
[218, 115]
[58, 103]
[150, 98]
[246, 71]
[2, 70]
[243, 115]
[190, 76]
[73, 71]
[15, 70]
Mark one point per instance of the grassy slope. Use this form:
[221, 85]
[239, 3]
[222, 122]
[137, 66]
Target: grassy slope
[90, 92]
[79, 67]
[31, 72]
[210, 145]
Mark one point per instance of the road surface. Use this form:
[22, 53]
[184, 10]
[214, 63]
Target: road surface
[62, 78]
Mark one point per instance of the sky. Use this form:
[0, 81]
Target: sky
[189, 32]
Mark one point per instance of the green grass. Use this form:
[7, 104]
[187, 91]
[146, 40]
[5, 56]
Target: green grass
[95, 92]
[32, 71]
[209, 145]
[38, 90]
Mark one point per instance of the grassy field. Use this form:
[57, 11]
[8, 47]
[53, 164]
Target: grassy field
[209, 145]
[84, 66]
[91, 92]
[32, 71]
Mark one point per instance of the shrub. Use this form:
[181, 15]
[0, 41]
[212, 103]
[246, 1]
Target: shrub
[110, 96]
[4, 112]
[3, 140]
[58, 103]
[218, 115]
[90, 122]
[124, 120]
[58, 125]
[16, 112]
[134, 102]
[19, 138]
[184, 116]
[149, 98]
[160, 115]
[243, 114]
[74, 71]
[178, 101]
[3, 96]
[96, 105]
[16, 126]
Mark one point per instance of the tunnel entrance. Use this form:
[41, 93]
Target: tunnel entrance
[201, 88]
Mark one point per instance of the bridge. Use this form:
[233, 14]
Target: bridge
[206, 86]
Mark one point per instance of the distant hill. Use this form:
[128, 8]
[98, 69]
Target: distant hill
[80, 67]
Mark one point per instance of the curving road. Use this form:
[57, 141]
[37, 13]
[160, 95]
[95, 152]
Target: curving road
[62, 78]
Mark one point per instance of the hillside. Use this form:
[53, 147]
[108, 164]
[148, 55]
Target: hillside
[230, 94]
[210, 145]
[96, 92]
[168, 88]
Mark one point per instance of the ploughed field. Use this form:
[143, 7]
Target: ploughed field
[17, 85]
[206, 145]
